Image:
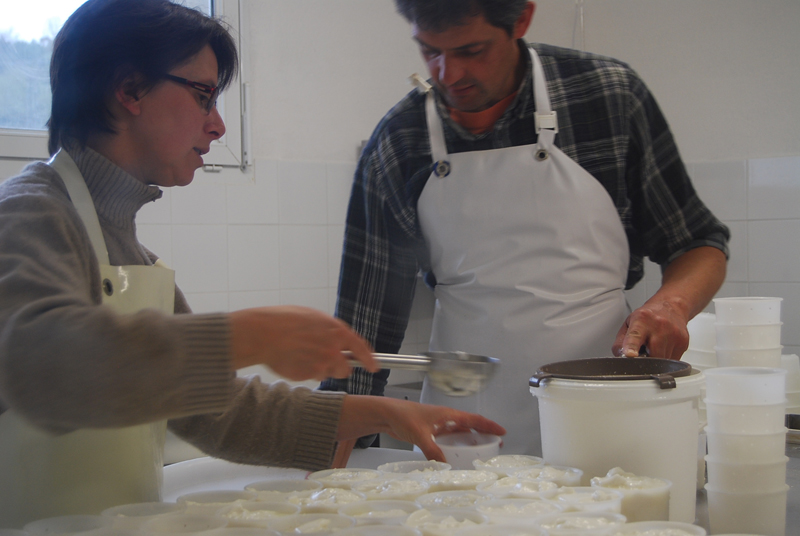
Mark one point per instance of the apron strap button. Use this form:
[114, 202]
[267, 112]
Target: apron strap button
[442, 168]
[108, 287]
[541, 155]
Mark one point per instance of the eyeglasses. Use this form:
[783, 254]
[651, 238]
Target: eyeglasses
[208, 100]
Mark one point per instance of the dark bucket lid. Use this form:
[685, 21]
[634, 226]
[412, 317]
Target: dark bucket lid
[663, 371]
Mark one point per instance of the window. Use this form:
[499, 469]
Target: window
[26, 43]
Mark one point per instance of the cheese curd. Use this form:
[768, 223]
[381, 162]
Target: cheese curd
[563, 476]
[244, 513]
[587, 499]
[327, 500]
[643, 498]
[505, 464]
[310, 523]
[519, 488]
[456, 480]
[343, 478]
[452, 499]
[391, 488]
[516, 509]
[443, 522]
[568, 523]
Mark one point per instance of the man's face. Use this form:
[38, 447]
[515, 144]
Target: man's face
[473, 64]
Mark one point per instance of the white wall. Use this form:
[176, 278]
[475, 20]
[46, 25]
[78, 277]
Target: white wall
[323, 72]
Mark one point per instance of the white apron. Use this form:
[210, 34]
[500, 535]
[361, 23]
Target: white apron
[530, 259]
[89, 470]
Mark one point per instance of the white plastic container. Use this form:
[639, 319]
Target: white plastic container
[657, 528]
[461, 449]
[746, 448]
[700, 358]
[182, 524]
[599, 425]
[744, 336]
[745, 385]
[755, 357]
[580, 524]
[413, 466]
[702, 335]
[210, 502]
[752, 477]
[643, 498]
[310, 523]
[748, 310]
[380, 512]
[744, 419]
[255, 513]
[516, 510]
[71, 524]
[743, 513]
[133, 516]
[587, 499]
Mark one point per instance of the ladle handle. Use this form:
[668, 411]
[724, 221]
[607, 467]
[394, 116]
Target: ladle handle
[397, 361]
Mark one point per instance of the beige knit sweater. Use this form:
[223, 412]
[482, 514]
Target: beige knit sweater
[68, 362]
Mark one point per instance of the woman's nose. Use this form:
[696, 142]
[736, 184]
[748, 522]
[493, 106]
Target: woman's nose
[215, 125]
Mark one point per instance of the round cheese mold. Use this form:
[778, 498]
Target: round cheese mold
[588, 499]
[391, 489]
[452, 499]
[516, 510]
[643, 498]
[326, 500]
[310, 523]
[456, 480]
[380, 512]
[580, 523]
[561, 475]
[443, 522]
[343, 478]
[505, 464]
[511, 487]
[413, 466]
[253, 513]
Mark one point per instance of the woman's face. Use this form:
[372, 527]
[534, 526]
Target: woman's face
[173, 130]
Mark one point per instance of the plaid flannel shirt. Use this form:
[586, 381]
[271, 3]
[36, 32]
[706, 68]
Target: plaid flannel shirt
[609, 123]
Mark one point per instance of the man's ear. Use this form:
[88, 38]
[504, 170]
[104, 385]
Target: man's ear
[524, 20]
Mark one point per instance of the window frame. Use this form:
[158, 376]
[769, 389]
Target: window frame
[228, 151]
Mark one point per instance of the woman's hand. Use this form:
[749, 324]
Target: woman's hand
[407, 421]
[298, 343]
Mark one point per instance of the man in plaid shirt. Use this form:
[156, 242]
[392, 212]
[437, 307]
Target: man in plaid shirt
[483, 89]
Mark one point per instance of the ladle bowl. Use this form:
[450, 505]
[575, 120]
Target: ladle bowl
[453, 373]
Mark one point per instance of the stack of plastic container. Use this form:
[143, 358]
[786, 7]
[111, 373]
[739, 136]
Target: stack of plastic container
[791, 363]
[746, 459]
[748, 332]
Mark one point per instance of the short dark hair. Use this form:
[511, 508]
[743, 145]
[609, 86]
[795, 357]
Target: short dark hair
[439, 15]
[108, 42]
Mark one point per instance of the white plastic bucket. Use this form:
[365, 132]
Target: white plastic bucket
[633, 424]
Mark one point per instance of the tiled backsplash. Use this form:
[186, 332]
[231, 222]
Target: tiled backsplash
[273, 236]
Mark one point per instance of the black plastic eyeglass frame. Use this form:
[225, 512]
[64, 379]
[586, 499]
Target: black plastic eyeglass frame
[211, 91]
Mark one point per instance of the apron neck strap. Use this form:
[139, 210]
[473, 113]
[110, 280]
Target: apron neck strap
[65, 166]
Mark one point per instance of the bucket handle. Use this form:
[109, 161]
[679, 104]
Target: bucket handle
[665, 381]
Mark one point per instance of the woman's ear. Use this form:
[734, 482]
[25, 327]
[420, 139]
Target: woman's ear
[128, 95]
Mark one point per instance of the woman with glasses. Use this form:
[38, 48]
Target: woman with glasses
[93, 363]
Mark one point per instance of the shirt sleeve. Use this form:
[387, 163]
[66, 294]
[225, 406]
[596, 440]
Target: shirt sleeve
[379, 263]
[668, 216]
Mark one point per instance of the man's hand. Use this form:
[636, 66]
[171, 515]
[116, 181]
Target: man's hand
[689, 283]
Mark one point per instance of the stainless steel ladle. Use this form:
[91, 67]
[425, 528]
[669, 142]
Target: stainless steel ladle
[453, 373]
